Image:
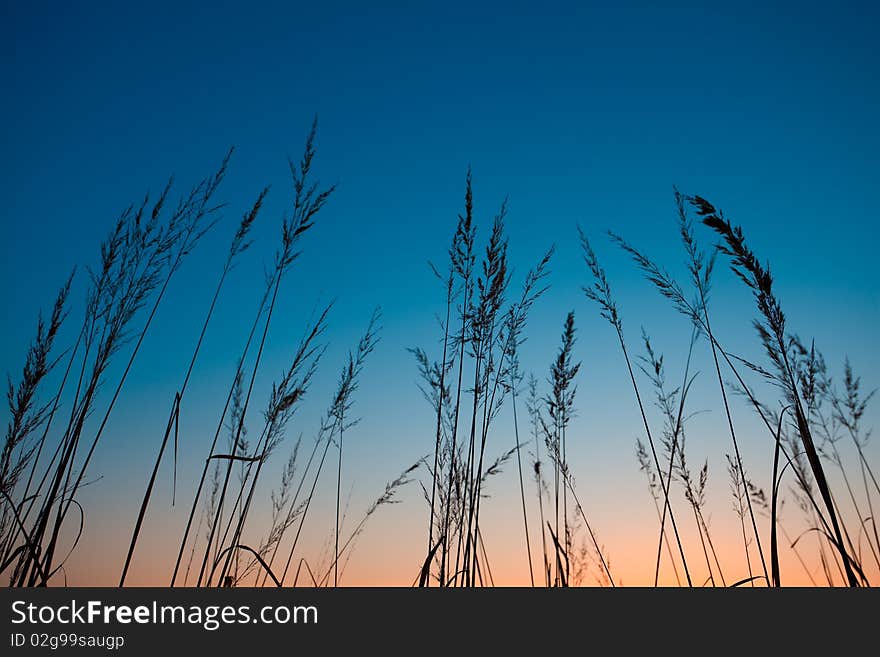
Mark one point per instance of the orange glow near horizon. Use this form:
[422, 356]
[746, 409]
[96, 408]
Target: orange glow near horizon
[384, 555]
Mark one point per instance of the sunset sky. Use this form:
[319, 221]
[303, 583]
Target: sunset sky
[579, 113]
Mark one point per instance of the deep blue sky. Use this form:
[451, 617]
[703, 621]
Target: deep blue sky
[580, 112]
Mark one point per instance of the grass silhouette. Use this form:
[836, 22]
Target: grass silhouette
[50, 441]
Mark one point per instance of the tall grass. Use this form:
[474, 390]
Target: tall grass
[58, 417]
[771, 328]
[600, 293]
[486, 338]
[240, 243]
[138, 260]
[671, 404]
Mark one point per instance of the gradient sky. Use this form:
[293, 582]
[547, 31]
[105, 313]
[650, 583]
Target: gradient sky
[581, 113]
